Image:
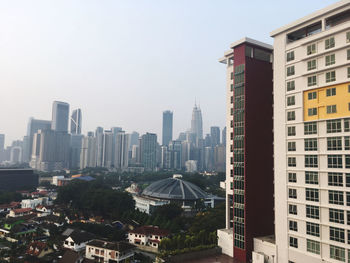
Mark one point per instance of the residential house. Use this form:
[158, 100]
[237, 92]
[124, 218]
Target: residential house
[38, 249]
[20, 212]
[147, 236]
[77, 240]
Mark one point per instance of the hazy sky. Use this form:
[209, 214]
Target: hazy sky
[124, 62]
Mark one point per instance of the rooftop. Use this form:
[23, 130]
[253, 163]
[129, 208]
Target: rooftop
[117, 246]
[147, 230]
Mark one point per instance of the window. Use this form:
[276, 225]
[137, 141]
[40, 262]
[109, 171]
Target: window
[333, 126]
[293, 225]
[337, 234]
[331, 92]
[348, 198]
[311, 64]
[348, 72]
[335, 179]
[312, 111]
[292, 162]
[291, 146]
[346, 125]
[313, 246]
[311, 49]
[290, 101]
[337, 253]
[347, 143]
[335, 161]
[347, 37]
[347, 180]
[331, 109]
[292, 177]
[312, 211]
[292, 209]
[290, 56]
[292, 193]
[347, 161]
[290, 115]
[336, 216]
[311, 81]
[330, 59]
[290, 71]
[312, 95]
[334, 143]
[291, 131]
[293, 242]
[310, 128]
[311, 177]
[348, 54]
[336, 197]
[311, 161]
[330, 76]
[312, 194]
[290, 85]
[329, 43]
[313, 229]
[310, 144]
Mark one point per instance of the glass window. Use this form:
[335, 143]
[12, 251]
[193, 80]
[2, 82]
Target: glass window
[333, 126]
[337, 253]
[336, 197]
[348, 72]
[293, 225]
[310, 128]
[310, 144]
[347, 37]
[334, 144]
[290, 56]
[292, 162]
[313, 246]
[311, 64]
[335, 161]
[290, 71]
[311, 49]
[335, 179]
[337, 234]
[291, 115]
[330, 59]
[293, 242]
[347, 143]
[312, 229]
[290, 100]
[311, 161]
[347, 180]
[331, 109]
[312, 95]
[292, 209]
[292, 193]
[290, 85]
[291, 131]
[291, 146]
[331, 92]
[336, 216]
[348, 54]
[347, 161]
[330, 76]
[312, 111]
[346, 125]
[311, 81]
[311, 177]
[312, 194]
[292, 177]
[312, 211]
[329, 43]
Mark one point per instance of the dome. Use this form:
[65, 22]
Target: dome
[174, 189]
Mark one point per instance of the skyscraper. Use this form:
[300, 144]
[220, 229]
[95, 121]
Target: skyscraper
[107, 157]
[2, 142]
[122, 151]
[167, 132]
[99, 146]
[148, 151]
[215, 135]
[88, 151]
[75, 122]
[60, 116]
[224, 136]
[249, 165]
[196, 122]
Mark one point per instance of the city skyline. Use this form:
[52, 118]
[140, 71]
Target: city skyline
[92, 65]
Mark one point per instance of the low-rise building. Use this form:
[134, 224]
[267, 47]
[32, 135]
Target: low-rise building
[20, 212]
[77, 240]
[38, 249]
[147, 236]
[102, 251]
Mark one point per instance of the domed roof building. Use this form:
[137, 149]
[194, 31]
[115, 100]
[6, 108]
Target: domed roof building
[172, 190]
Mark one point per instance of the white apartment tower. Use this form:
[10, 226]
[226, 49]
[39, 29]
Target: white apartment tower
[312, 137]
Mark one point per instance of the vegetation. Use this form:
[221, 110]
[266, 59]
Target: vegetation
[7, 197]
[105, 231]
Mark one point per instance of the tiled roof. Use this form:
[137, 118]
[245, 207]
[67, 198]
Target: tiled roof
[21, 210]
[117, 246]
[35, 248]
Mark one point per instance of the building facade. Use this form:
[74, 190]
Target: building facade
[60, 116]
[312, 132]
[167, 132]
[75, 122]
[197, 122]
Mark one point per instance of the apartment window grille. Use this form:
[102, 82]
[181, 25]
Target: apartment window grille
[330, 76]
[310, 128]
[312, 211]
[293, 242]
[337, 234]
[335, 161]
[331, 92]
[337, 253]
[292, 193]
[348, 72]
[290, 71]
[291, 147]
[311, 161]
[311, 64]
[311, 81]
[312, 229]
[311, 49]
[292, 162]
[310, 144]
[330, 59]
[290, 85]
[290, 56]
[331, 109]
[329, 43]
[336, 216]
[290, 115]
[293, 225]
[290, 100]
[333, 126]
[312, 95]
[335, 197]
[311, 177]
[291, 131]
[312, 194]
[334, 143]
[348, 198]
[313, 246]
[335, 179]
[292, 210]
[292, 177]
[312, 111]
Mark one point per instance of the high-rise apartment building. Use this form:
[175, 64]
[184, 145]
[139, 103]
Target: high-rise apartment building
[196, 122]
[108, 149]
[249, 164]
[312, 137]
[121, 160]
[167, 132]
[75, 122]
[148, 151]
[99, 146]
[215, 135]
[88, 151]
[60, 116]
[2, 142]
[223, 136]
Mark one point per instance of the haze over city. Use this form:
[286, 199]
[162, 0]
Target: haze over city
[124, 62]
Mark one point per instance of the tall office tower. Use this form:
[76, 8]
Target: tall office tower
[186, 148]
[215, 135]
[219, 158]
[207, 141]
[107, 156]
[175, 151]
[76, 141]
[99, 146]
[223, 136]
[2, 142]
[196, 122]
[121, 160]
[134, 139]
[75, 122]
[182, 136]
[148, 151]
[60, 116]
[134, 154]
[33, 127]
[167, 132]
[165, 157]
[88, 151]
[208, 158]
[249, 163]
[312, 131]
[16, 154]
